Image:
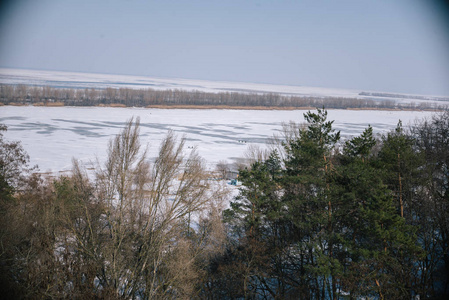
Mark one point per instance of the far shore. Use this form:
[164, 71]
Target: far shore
[278, 108]
[119, 105]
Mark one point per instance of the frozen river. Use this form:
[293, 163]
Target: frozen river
[52, 136]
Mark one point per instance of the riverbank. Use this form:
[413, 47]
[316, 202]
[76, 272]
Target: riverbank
[224, 107]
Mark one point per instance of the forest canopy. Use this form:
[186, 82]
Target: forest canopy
[316, 217]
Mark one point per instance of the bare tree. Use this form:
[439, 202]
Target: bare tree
[141, 229]
[148, 214]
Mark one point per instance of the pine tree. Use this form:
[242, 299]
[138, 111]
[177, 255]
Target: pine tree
[258, 215]
[375, 238]
[399, 162]
[307, 167]
[431, 210]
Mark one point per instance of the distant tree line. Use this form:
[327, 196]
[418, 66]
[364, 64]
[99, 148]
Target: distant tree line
[36, 95]
[390, 95]
[315, 218]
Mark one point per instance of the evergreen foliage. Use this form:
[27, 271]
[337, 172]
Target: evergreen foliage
[349, 216]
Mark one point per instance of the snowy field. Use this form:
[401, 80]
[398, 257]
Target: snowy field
[53, 135]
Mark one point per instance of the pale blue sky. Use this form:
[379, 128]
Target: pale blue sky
[381, 45]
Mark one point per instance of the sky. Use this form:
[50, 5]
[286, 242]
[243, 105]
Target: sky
[375, 45]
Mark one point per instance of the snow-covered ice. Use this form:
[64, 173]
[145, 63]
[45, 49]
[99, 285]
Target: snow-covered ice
[53, 135]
